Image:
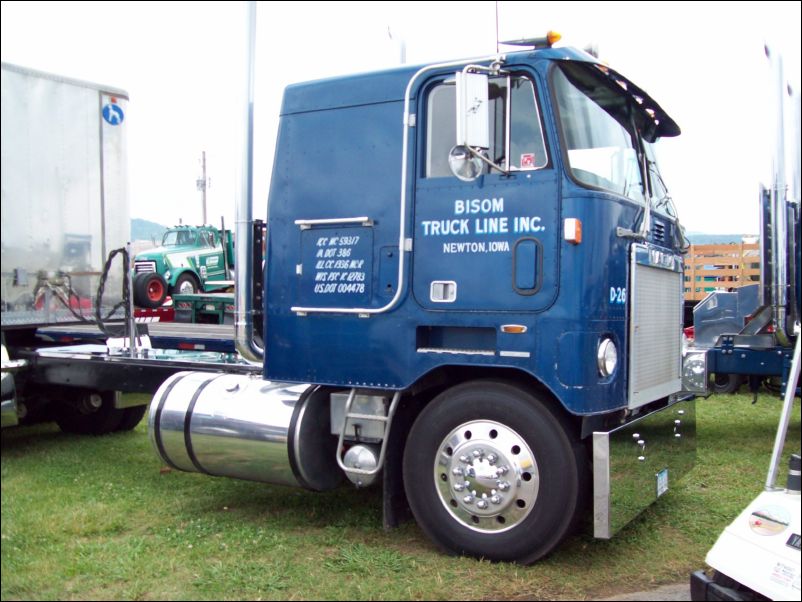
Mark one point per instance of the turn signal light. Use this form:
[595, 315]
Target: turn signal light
[513, 328]
[572, 230]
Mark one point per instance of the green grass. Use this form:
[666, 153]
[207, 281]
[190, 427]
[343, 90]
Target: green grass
[97, 518]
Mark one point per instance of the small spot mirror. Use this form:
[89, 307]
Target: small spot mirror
[464, 164]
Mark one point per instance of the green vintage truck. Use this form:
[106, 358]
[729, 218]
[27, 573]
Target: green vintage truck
[191, 259]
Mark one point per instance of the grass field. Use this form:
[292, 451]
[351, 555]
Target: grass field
[100, 518]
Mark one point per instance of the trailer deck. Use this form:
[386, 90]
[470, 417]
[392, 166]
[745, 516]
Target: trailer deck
[163, 335]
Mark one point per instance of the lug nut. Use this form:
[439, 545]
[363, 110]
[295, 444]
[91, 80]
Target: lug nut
[464, 459]
[504, 485]
[496, 499]
[459, 486]
[457, 472]
[468, 499]
[491, 459]
[481, 504]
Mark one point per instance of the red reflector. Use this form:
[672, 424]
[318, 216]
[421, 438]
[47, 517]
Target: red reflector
[191, 346]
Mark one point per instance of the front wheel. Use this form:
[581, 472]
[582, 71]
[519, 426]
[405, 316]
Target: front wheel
[490, 471]
[186, 284]
[724, 384]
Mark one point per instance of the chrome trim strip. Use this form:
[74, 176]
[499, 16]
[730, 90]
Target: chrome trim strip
[308, 223]
[457, 351]
[515, 354]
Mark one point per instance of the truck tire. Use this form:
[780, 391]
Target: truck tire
[89, 413]
[722, 384]
[150, 290]
[186, 284]
[491, 472]
[131, 417]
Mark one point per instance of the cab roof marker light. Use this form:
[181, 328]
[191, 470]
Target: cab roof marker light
[547, 41]
[552, 37]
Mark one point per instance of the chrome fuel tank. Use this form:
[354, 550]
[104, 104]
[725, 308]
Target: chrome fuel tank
[244, 427]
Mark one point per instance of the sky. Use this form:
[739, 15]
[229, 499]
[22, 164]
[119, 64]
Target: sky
[182, 64]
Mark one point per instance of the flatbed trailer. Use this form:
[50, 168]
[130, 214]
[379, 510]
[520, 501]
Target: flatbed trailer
[205, 308]
[99, 367]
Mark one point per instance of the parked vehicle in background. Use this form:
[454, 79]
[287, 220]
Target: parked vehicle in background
[190, 259]
[65, 211]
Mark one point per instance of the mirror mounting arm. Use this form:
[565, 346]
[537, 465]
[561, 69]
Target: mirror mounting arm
[484, 159]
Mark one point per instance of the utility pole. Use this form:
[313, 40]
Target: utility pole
[203, 184]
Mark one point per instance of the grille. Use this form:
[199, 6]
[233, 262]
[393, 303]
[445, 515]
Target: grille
[659, 232]
[144, 266]
[655, 327]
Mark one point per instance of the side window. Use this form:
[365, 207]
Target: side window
[507, 94]
[527, 147]
[441, 130]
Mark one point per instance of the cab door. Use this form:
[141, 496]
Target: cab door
[489, 244]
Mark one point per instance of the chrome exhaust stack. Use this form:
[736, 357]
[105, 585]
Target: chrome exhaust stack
[774, 227]
[246, 428]
[243, 314]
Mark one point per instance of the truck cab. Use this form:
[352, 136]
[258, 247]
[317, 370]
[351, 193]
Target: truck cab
[474, 275]
[190, 259]
[563, 247]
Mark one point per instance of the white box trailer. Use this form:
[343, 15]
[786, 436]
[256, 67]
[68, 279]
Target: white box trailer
[65, 210]
[65, 199]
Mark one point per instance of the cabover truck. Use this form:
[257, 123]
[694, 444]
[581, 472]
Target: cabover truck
[473, 295]
[190, 259]
[757, 557]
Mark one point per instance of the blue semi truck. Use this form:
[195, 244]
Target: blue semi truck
[473, 295]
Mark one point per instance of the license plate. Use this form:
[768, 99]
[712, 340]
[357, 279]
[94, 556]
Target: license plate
[662, 482]
[210, 308]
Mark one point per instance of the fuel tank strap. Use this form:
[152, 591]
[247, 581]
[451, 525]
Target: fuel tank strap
[188, 424]
[157, 434]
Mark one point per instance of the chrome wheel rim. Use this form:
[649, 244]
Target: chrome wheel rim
[486, 476]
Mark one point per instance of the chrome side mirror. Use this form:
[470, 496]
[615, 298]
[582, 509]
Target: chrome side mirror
[473, 124]
[464, 164]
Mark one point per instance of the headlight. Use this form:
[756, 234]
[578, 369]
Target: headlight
[606, 357]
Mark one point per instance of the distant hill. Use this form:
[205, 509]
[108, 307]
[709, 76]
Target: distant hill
[699, 238]
[142, 229]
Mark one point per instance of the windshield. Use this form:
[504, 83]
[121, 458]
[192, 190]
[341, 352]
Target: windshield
[173, 238]
[597, 132]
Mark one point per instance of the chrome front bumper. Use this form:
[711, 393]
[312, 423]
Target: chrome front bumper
[638, 462]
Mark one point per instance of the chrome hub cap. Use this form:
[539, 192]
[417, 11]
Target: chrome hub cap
[486, 476]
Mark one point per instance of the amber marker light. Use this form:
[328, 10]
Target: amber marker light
[572, 230]
[513, 328]
[553, 37]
